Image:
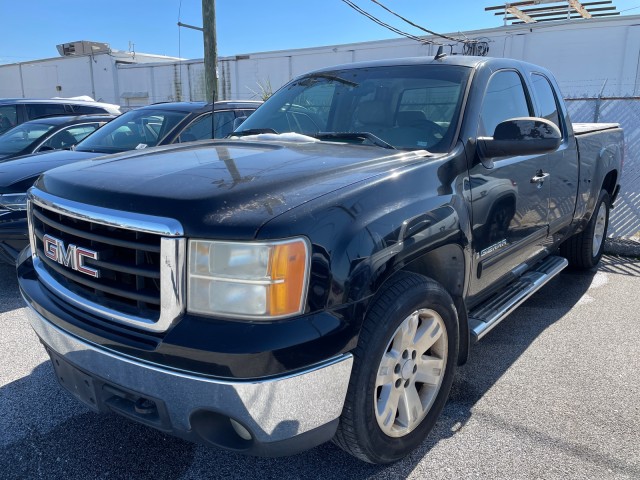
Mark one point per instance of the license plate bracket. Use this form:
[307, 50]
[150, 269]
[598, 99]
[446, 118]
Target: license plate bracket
[77, 383]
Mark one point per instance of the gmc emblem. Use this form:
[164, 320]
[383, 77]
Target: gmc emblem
[72, 256]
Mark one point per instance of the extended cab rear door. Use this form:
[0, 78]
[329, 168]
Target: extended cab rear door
[563, 165]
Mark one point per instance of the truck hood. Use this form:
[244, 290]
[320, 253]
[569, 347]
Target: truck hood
[222, 189]
[17, 175]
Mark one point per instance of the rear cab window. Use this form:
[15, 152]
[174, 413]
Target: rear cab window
[546, 99]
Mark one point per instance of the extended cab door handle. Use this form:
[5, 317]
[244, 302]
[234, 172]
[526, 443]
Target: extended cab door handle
[540, 177]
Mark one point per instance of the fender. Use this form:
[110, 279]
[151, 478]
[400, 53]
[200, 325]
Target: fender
[599, 168]
[413, 218]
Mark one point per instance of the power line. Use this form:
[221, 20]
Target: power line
[387, 26]
[401, 32]
[632, 8]
[431, 32]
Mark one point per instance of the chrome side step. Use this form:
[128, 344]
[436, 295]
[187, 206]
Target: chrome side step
[488, 314]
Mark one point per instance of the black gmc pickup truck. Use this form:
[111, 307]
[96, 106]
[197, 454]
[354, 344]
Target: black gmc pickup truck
[321, 274]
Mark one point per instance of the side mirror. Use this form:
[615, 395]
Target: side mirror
[45, 148]
[521, 136]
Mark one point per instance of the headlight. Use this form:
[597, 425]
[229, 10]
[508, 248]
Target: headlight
[13, 201]
[248, 279]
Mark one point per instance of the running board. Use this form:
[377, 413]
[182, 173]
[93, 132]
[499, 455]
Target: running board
[490, 313]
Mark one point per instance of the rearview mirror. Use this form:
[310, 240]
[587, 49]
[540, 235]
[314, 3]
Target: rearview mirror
[521, 136]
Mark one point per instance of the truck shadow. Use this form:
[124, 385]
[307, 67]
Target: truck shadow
[85, 445]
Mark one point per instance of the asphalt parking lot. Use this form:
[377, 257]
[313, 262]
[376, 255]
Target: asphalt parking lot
[553, 392]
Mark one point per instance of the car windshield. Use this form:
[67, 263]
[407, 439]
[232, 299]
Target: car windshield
[22, 136]
[408, 107]
[135, 129]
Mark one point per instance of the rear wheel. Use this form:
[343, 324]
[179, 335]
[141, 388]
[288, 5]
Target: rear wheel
[403, 370]
[584, 249]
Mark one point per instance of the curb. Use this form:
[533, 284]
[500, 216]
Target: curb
[623, 247]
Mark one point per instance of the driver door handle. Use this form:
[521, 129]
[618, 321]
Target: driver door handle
[540, 177]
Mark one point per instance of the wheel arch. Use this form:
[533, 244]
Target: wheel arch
[610, 183]
[447, 266]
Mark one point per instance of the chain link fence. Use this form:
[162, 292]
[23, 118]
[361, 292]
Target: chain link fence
[625, 217]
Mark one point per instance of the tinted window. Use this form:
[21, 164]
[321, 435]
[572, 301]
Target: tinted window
[408, 107]
[546, 99]
[22, 136]
[199, 129]
[68, 137]
[134, 129]
[86, 109]
[505, 98]
[44, 110]
[244, 113]
[223, 123]
[435, 103]
[8, 117]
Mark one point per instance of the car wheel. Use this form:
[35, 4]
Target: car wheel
[403, 370]
[584, 250]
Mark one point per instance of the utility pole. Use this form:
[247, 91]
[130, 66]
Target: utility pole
[210, 49]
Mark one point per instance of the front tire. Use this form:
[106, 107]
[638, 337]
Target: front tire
[403, 370]
[584, 250]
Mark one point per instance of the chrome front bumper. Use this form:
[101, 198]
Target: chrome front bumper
[281, 415]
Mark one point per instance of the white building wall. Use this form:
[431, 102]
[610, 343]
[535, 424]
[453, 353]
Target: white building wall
[10, 85]
[584, 56]
[105, 85]
[160, 82]
[92, 75]
[57, 78]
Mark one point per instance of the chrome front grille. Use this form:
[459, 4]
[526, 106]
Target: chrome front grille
[139, 269]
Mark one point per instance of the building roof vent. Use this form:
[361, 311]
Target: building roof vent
[533, 11]
[82, 47]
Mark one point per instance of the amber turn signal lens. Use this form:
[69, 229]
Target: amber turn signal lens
[288, 272]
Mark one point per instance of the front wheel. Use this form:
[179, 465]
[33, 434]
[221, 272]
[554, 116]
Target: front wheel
[403, 370]
[584, 250]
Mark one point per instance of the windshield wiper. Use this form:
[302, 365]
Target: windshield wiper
[252, 131]
[328, 76]
[354, 135]
[92, 150]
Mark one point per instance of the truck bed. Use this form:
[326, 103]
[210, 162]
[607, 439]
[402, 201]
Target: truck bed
[585, 128]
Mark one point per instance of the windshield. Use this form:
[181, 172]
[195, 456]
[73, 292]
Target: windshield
[406, 107]
[22, 136]
[135, 129]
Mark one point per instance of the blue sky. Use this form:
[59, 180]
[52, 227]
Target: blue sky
[31, 29]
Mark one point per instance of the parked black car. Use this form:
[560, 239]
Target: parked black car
[14, 111]
[158, 124]
[50, 133]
